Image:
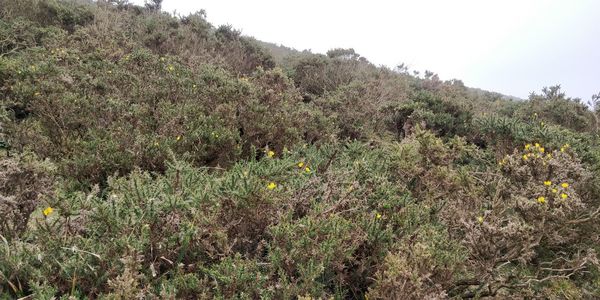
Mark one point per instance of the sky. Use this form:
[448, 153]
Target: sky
[514, 47]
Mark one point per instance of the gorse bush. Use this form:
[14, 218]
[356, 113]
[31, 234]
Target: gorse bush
[537, 213]
[147, 155]
[304, 232]
[87, 123]
[24, 183]
[553, 106]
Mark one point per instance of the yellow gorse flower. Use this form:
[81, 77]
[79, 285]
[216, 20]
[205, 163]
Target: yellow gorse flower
[270, 154]
[547, 182]
[564, 185]
[378, 216]
[271, 186]
[48, 211]
[480, 219]
[542, 149]
[564, 196]
[525, 157]
[300, 164]
[555, 191]
[307, 169]
[527, 146]
[541, 200]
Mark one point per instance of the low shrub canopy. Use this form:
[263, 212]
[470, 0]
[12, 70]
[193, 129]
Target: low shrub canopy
[146, 155]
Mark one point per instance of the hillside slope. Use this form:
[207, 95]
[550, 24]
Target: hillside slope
[152, 156]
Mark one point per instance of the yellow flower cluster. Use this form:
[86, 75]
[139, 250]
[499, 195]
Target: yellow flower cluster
[503, 161]
[302, 165]
[563, 195]
[48, 211]
[565, 186]
[535, 151]
[565, 147]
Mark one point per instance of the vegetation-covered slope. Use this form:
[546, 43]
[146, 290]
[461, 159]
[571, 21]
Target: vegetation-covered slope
[152, 156]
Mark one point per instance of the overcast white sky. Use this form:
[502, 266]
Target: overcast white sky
[509, 46]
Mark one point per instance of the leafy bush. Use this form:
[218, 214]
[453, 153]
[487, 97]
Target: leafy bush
[146, 155]
[554, 107]
[426, 110]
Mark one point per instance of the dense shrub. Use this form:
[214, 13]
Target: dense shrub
[193, 223]
[316, 74]
[538, 215]
[146, 155]
[552, 106]
[24, 182]
[446, 118]
[87, 123]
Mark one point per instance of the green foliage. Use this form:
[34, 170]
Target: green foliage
[507, 133]
[67, 14]
[446, 118]
[553, 106]
[146, 155]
